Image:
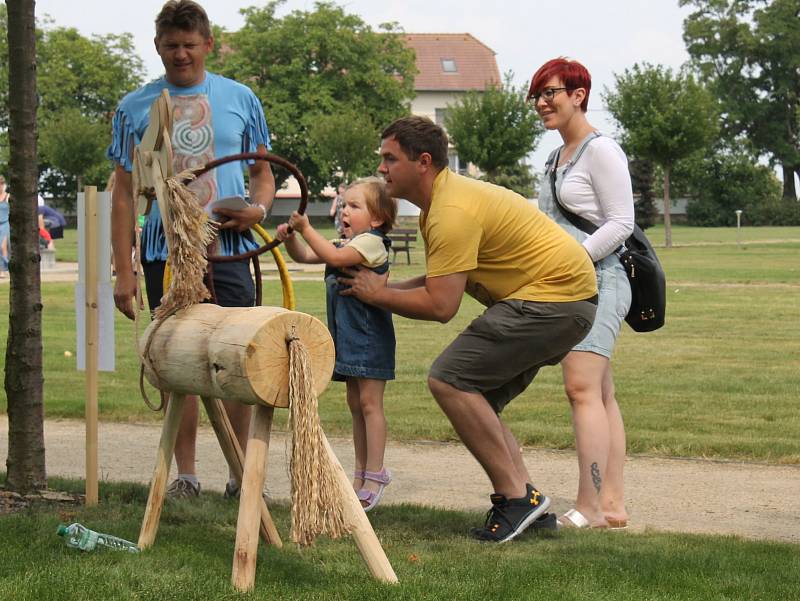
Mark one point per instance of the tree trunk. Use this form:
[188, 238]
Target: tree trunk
[23, 371]
[667, 220]
[789, 190]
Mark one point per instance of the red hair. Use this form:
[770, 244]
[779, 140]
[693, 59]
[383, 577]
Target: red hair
[573, 75]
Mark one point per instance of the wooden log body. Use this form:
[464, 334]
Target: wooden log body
[234, 353]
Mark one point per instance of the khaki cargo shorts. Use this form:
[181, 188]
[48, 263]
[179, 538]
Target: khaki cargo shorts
[500, 352]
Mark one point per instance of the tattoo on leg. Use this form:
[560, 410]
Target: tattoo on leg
[596, 479]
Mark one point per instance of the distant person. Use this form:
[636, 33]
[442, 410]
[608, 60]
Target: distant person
[45, 239]
[337, 204]
[5, 229]
[52, 220]
[363, 335]
[591, 180]
[536, 281]
[212, 117]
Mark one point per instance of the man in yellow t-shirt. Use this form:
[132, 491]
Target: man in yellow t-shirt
[537, 282]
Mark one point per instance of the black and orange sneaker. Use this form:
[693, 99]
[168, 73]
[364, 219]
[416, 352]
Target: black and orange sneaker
[509, 518]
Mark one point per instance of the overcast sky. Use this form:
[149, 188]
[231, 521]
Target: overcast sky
[607, 36]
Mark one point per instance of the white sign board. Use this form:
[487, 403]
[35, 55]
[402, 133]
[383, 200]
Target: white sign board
[105, 289]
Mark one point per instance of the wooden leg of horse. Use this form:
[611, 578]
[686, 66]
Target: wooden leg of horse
[235, 458]
[158, 484]
[250, 499]
[366, 540]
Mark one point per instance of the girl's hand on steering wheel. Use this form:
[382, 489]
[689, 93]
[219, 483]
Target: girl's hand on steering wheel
[298, 222]
[283, 233]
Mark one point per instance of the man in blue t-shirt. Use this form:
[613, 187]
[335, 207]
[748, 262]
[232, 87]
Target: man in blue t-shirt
[212, 117]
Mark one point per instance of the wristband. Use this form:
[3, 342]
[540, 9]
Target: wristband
[263, 212]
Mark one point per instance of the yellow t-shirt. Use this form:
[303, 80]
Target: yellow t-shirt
[509, 248]
[369, 246]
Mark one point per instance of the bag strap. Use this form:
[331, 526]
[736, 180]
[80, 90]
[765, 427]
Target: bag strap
[579, 222]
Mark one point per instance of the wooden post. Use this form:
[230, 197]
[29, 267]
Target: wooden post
[366, 540]
[243, 576]
[158, 484]
[92, 338]
[235, 458]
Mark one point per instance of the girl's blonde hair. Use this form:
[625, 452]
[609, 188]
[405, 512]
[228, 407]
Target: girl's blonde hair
[380, 205]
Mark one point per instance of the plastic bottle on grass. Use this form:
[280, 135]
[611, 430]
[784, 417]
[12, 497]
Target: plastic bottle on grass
[81, 537]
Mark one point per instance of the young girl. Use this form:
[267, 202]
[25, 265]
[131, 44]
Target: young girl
[363, 335]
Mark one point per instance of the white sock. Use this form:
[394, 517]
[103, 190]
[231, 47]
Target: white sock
[191, 478]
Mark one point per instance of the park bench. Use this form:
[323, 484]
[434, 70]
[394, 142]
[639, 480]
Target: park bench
[402, 241]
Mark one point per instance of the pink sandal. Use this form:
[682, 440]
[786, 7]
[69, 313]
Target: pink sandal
[373, 497]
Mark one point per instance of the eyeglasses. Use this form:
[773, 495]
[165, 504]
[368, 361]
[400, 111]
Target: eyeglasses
[548, 94]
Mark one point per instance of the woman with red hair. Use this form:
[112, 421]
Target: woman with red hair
[588, 178]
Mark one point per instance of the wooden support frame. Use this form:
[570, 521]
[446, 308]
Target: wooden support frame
[158, 485]
[243, 575]
[367, 542]
[251, 470]
[235, 458]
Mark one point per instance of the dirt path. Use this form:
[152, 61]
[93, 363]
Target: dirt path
[756, 501]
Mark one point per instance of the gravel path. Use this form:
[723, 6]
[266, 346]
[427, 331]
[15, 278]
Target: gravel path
[757, 501]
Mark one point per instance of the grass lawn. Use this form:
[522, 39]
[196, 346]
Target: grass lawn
[428, 549]
[719, 380]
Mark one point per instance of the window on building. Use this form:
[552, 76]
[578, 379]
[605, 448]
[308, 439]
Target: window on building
[456, 164]
[449, 65]
[441, 115]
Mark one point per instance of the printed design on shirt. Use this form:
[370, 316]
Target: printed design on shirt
[193, 142]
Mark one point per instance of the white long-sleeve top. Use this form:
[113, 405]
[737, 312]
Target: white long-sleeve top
[598, 188]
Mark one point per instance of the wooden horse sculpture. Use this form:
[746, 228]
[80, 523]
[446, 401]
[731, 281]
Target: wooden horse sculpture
[233, 354]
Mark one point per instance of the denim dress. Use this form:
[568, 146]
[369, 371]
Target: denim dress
[614, 291]
[5, 234]
[363, 334]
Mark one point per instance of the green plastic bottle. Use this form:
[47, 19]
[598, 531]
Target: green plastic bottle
[81, 537]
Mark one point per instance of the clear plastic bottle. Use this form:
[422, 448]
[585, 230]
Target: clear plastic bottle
[81, 537]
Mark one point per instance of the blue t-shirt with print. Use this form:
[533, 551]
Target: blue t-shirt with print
[214, 119]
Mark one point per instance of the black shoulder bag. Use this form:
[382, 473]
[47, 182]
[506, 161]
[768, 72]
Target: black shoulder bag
[648, 282]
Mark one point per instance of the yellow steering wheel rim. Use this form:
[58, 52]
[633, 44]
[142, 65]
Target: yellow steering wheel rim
[289, 299]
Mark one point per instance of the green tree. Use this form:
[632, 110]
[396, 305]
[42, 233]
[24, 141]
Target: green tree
[23, 359]
[722, 180]
[664, 117]
[520, 178]
[749, 51]
[75, 145]
[81, 81]
[79, 77]
[642, 178]
[312, 64]
[90, 74]
[494, 129]
[344, 143]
